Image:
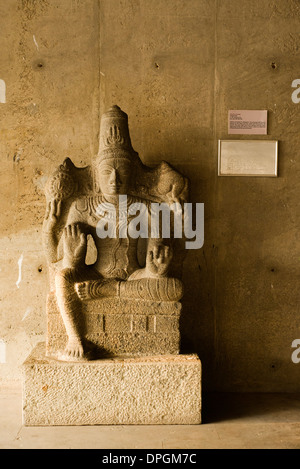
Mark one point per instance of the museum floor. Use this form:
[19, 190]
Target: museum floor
[230, 421]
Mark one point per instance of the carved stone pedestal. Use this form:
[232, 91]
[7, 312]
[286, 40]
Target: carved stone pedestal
[149, 390]
[120, 327]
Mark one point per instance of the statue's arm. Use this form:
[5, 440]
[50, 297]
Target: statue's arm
[57, 219]
[73, 243]
[51, 231]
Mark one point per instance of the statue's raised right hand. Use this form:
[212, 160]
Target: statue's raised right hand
[75, 246]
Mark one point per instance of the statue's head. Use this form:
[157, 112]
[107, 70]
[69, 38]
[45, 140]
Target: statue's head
[115, 176]
[117, 160]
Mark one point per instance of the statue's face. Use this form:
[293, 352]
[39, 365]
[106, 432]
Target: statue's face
[115, 176]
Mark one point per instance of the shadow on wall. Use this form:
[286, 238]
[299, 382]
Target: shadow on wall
[197, 320]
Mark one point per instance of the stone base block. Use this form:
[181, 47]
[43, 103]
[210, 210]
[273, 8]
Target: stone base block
[120, 327]
[116, 391]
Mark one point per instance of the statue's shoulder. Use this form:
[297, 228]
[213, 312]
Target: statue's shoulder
[161, 183]
[68, 182]
[74, 187]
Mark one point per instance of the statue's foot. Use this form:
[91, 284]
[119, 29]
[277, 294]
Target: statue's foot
[84, 290]
[74, 348]
[74, 351]
[92, 289]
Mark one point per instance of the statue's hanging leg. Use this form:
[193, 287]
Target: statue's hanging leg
[70, 308]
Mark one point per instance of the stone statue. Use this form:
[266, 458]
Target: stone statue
[135, 276]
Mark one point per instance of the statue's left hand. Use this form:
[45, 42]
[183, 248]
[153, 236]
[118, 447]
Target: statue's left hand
[158, 260]
[75, 246]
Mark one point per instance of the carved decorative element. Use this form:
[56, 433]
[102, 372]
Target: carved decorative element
[113, 136]
[61, 185]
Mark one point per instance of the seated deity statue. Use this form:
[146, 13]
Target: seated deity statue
[100, 203]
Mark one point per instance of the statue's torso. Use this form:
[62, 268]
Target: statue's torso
[116, 256]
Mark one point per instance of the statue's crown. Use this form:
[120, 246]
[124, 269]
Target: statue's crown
[114, 139]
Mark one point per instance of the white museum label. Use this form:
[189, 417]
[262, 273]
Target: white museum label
[247, 122]
[247, 158]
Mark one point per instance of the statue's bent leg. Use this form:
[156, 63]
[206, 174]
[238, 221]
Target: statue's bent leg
[155, 289]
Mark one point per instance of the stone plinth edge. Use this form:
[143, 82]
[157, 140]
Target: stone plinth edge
[149, 390]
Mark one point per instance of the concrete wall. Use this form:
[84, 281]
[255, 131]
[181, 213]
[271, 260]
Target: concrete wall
[176, 67]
